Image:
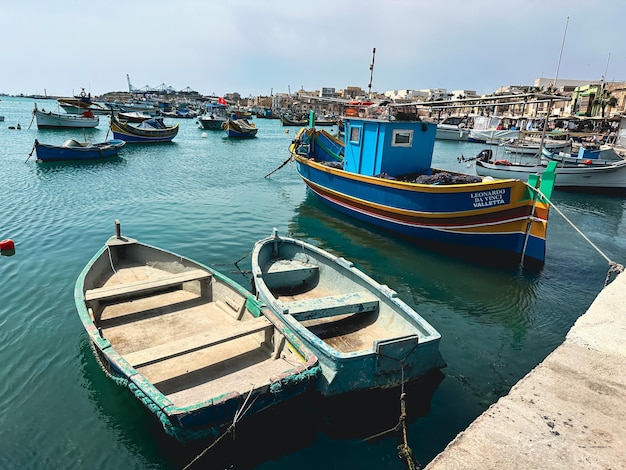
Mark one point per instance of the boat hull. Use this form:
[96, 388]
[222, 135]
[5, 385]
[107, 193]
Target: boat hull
[50, 120]
[239, 129]
[211, 362]
[449, 132]
[592, 178]
[493, 232]
[368, 339]
[55, 153]
[210, 124]
[533, 148]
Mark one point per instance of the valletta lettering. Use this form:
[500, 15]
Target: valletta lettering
[495, 197]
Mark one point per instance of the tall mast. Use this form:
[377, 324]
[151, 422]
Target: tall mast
[545, 123]
[556, 76]
[369, 87]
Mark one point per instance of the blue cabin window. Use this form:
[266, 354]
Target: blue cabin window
[355, 135]
[402, 138]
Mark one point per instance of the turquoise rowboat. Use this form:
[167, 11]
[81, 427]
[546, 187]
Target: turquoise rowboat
[195, 348]
[363, 335]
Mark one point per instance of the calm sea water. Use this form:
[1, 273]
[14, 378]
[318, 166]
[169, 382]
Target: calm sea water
[206, 197]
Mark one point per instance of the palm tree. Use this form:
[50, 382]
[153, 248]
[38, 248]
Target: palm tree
[604, 99]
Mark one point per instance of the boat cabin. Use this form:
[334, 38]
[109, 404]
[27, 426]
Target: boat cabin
[388, 140]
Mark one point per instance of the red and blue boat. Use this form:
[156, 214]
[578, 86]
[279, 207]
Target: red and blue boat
[381, 174]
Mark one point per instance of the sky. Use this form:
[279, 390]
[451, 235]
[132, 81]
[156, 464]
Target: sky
[260, 47]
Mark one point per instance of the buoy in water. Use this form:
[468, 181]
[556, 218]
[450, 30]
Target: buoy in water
[7, 245]
[286, 131]
[203, 135]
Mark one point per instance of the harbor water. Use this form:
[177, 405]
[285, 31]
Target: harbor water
[206, 197]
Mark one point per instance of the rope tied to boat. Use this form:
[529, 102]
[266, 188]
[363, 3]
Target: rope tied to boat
[230, 430]
[404, 450]
[614, 267]
[32, 150]
[281, 165]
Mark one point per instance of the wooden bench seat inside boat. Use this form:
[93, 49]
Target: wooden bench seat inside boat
[321, 307]
[191, 344]
[142, 287]
[285, 275]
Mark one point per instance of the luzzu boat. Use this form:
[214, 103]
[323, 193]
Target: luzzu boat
[151, 130]
[382, 174]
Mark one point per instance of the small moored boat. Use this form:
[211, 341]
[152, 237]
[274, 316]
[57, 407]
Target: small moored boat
[195, 348]
[152, 130]
[363, 335]
[71, 149]
[239, 128]
[213, 117]
[49, 120]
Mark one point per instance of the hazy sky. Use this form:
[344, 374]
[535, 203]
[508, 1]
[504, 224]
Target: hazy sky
[255, 47]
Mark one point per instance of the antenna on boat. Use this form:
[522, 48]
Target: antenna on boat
[369, 87]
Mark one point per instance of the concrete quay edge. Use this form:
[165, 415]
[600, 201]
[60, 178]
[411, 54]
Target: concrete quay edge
[568, 412]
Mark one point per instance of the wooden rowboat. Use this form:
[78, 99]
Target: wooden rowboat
[195, 348]
[363, 335]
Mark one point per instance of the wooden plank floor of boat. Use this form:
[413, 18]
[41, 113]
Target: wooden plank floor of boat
[197, 376]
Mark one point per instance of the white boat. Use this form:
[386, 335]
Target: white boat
[488, 130]
[610, 177]
[213, 117]
[48, 119]
[532, 148]
[452, 128]
[603, 155]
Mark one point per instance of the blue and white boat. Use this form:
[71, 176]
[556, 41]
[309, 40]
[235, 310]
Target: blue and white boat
[363, 335]
[72, 150]
[381, 174]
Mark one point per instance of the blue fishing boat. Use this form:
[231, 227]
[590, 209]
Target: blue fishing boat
[239, 128]
[195, 348]
[72, 150]
[363, 335]
[149, 131]
[381, 173]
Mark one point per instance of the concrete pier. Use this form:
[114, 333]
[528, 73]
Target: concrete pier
[567, 413]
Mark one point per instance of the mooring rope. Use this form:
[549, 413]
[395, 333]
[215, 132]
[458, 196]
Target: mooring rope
[31, 152]
[240, 412]
[404, 451]
[282, 165]
[614, 267]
